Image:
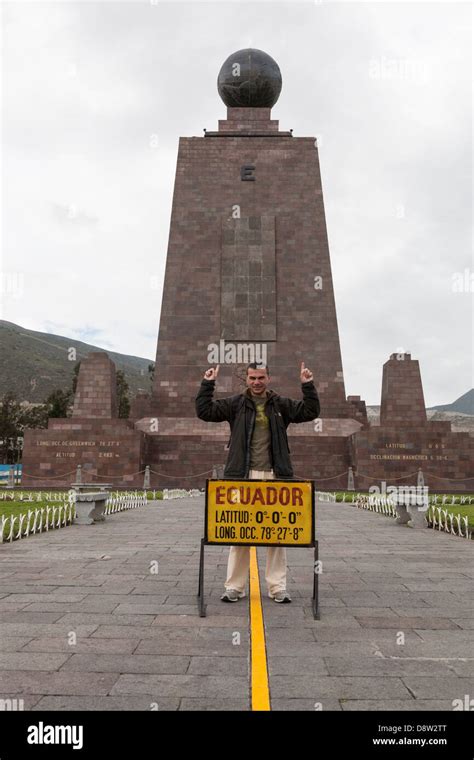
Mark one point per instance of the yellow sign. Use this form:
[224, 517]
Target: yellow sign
[260, 512]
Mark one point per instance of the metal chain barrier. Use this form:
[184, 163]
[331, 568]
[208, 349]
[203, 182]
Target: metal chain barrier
[184, 477]
[47, 477]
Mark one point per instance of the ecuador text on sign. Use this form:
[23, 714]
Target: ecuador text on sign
[260, 512]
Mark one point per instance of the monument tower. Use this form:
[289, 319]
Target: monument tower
[248, 277]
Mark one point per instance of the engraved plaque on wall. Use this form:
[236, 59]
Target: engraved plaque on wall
[248, 279]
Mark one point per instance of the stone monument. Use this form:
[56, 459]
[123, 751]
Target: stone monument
[105, 447]
[248, 278]
[406, 440]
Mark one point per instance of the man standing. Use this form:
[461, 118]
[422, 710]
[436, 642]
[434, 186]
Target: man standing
[258, 450]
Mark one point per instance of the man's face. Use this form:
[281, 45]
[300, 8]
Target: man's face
[257, 381]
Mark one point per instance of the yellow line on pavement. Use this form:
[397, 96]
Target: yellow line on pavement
[260, 693]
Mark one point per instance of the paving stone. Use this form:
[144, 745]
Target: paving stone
[43, 629]
[120, 663]
[210, 705]
[30, 618]
[336, 634]
[306, 705]
[319, 687]
[447, 687]
[15, 702]
[373, 599]
[402, 623]
[288, 634]
[213, 666]
[193, 648]
[428, 650]
[20, 588]
[98, 646]
[297, 665]
[395, 705]
[32, 660]
[99, 604]
[6, 606]
[56, 582]
[156, 608]
[83, 618]
[42, 682]
[467, 623]
[145, 588]
[370, 612]
[13, 643]
[156, 599]
[137, 703]
[434, 612]
[191, 686]
[45, 598]
[463, 667]
[385, 666]
[443, 639]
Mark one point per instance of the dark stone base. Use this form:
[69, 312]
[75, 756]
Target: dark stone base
[394, 453]
[109, 450]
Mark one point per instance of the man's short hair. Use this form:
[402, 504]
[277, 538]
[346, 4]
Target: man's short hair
[254, 365]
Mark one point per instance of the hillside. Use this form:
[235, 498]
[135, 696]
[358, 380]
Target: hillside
[463, 405]
[460, 423]
[32, 364]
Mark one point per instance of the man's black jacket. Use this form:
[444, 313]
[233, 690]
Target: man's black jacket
[239, 411]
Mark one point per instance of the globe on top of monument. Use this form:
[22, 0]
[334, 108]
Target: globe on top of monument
[249, 78]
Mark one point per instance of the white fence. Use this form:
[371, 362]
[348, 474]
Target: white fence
[39, 520]
[436, 517]
[325, 496]
[440, 519]
[122, 501]
[381, 504]
[36, 521]
[451, 499]
[59, 496]
[181, 493]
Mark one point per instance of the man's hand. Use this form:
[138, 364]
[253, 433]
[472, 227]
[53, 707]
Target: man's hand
[305, 375]
[211, 373]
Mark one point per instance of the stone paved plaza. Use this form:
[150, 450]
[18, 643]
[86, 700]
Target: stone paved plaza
[141, 645]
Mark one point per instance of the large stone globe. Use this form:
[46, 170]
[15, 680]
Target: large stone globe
[249, 78]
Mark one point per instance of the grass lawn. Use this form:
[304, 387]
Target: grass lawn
[15, 507]
[465, 510]
[8, 508]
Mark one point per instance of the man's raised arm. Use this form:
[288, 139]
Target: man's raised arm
[207, 409]
[307, 409]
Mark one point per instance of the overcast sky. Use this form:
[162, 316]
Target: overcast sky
[96, 95]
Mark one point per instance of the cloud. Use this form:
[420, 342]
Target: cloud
[96, 96]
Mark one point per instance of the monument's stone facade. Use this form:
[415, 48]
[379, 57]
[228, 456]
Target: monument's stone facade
[96, 390]
[248, 277]
[402, 402]
[405, 440]
[108, 448]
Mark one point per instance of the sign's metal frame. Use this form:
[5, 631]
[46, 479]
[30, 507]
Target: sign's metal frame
[312, 543]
